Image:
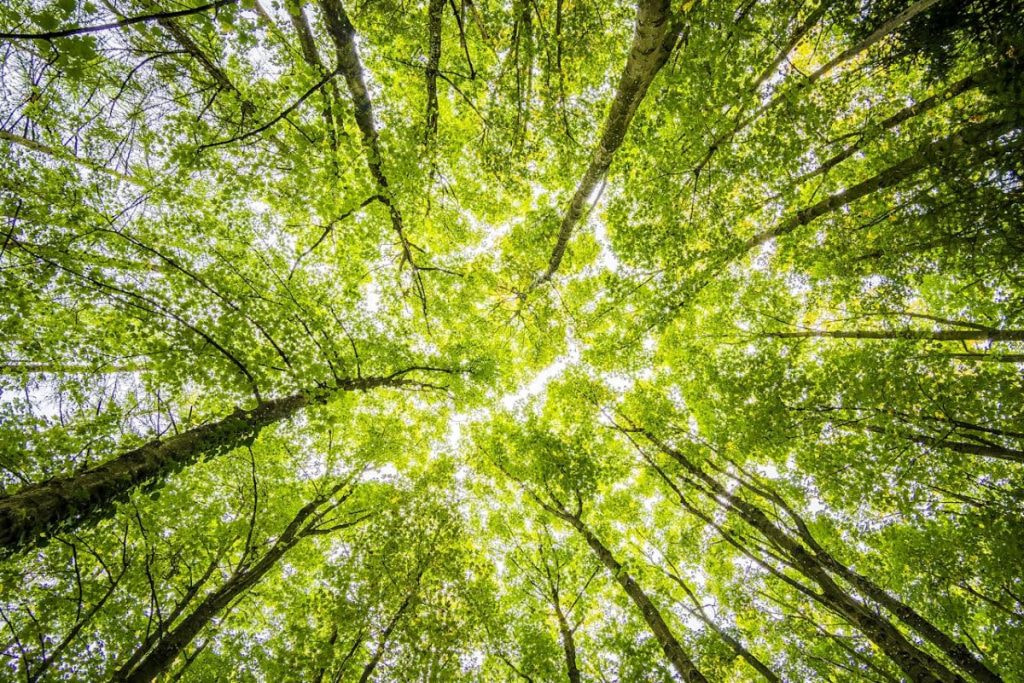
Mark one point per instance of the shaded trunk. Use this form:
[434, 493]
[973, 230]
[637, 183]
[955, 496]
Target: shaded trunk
[970, 139]
[382, 642]
[69, 502]
[572, 670]
[916, 664]
[170, 646]
[68, 155]
[653, 39]
[926, 155]
[915, 335]
[985, 450]
[987, 357]
[154, 637]
[916, 109]
[679, 660]
[956, 652]
[434, 17]
[307, 43]
[343, 34]
[798, 35]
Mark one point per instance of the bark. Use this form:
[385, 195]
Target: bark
[163, 654]
[916, 664]
[343, 35]
[912, 335]
[985, 450]
[154, 637]
[987, 357]
[884, 30]
[956, 652]
[68, 502]
[909, 112]
[382, 642]
[572, 670]
[182, 37]
[929, 154]
[877, 35]
[219, 76]
[682, 664]
[16, 368]
[736, 645]
[971, 139]
[311, 55]
[653, 39]
[435, 14]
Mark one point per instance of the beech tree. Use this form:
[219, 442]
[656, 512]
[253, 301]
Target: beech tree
[512, 340]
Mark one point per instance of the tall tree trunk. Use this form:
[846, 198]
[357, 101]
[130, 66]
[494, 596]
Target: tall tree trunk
[683, 665]
[382, 642]
[908, 112]
[435, 13]
[654, 37]
[956, 652]
[572, 669]
[918, 665]
[69, 502]
[170, 646]
[737, 647]
[929, 154]
[343, 34]
[311, 55]
[971, 139]
[985, 450]
[914, 335]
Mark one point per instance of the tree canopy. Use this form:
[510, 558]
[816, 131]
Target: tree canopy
[512, 340]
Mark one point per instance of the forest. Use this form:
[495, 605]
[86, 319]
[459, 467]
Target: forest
[600, 341]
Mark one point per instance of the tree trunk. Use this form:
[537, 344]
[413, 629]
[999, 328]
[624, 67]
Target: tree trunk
[956, 652]
[69, 502]
[653, 39]
[988, 451]
[918, 665]
[435, 14]
[568, 646]
[909, 112]
[929, 154]
[169, 647]
[914, 335]
[683, 665]
[382, 642]
[311, 55]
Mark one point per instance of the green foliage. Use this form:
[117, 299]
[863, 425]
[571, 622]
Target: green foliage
[777, 373]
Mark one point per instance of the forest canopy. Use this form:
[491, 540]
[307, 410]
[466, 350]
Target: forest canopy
[512, 340]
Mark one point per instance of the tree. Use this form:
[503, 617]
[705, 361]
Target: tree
[517, 340]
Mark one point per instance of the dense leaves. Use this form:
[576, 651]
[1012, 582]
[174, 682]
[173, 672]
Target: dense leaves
[512, 340]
